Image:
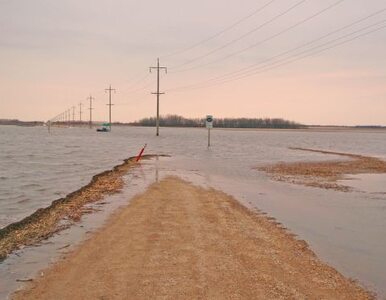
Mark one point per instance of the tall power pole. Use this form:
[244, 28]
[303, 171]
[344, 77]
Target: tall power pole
[110, 104]
[158, 92]
[73, 114]
[66, 117]
[90, 108]
[69, 116]
[80, 112]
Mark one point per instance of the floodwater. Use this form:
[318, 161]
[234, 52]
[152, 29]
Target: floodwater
[347, 230]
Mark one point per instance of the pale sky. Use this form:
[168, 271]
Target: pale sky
[53, 54]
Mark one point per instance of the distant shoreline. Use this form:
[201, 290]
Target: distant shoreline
[21, 123]
[315, 128]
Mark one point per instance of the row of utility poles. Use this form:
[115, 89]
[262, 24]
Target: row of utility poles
[65, 117]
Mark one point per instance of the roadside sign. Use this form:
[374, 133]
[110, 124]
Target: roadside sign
[209, 125]
[209, 121]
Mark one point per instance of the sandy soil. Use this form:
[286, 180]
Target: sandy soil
[324, 174]
[178, 241]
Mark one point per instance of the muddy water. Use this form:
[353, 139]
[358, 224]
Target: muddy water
[345, 229]
[37, 167]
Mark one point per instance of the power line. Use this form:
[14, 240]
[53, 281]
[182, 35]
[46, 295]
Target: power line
[294, 49]
[256, 68]
[136, 99]
[307, 43]
[309, 52]
[140, 88]
[134, 83]
[264, 40]
[242, 36]
[233, 25]
[320, 50]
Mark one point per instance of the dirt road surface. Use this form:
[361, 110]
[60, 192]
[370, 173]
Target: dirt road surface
[178, 241]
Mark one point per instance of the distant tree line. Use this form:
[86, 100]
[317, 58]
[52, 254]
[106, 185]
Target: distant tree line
[20, 123]
[178, 121]
[370, 126]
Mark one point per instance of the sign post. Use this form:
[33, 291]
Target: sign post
[209, 125]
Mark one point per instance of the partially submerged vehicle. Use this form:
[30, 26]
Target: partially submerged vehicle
[105, 128]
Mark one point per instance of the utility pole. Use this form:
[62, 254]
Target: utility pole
[80, 112]
[109, 104]
[158, 92]
[73, 114]
[69, 116]
[90, 108]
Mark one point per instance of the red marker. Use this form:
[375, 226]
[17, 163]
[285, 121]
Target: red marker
[140, 153]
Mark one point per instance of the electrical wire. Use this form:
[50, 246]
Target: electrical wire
[309, 52]
[267, 64]
[299, 47]
[259, 43]
[315, 49]
[134, 83]
[242, 36]
[133, 100]
[243, 19]
[140, 88]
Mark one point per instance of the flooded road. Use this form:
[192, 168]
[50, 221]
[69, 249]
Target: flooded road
[344, 229]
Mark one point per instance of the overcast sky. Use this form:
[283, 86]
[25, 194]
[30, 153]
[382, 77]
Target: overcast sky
[53, 54]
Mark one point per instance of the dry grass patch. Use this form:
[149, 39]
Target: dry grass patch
[325, 174]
